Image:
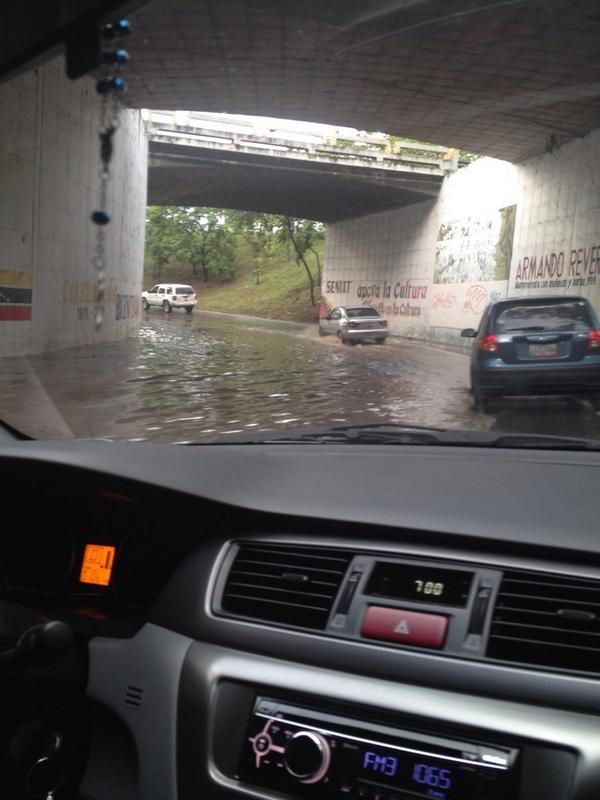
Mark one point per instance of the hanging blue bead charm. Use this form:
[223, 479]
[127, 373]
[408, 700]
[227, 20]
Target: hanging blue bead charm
[110, 84]
[101, 217]
[114, 29]
[119, 56]
[106, 85]
[123, 27]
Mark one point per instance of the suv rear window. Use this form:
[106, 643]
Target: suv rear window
[537, 317]
[184, 290]
[361, 312]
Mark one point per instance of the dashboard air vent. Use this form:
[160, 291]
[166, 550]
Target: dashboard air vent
[547, 620]
[134, 696]
[288, 585]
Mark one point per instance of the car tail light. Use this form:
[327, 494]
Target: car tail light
[174, 297]
[353, 324]
[383, 323]
[489, 344]
[593, 340]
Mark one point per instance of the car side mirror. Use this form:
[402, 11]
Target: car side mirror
[469, 333]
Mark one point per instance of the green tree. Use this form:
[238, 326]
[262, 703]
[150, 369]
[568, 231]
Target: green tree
[207, 239]
[159, 244]
[260, 231]
[303, 234]
[201, 237]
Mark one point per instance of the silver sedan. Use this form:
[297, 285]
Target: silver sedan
[354, 324]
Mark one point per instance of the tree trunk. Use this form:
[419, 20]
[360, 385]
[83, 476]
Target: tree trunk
[312, 250]
[300, 257]
[202, 260]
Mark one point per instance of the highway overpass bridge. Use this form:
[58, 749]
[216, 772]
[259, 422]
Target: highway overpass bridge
[516, 80]
[200, 159]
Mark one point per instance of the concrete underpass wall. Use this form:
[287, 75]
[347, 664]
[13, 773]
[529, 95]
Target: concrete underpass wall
[49, 172]
[496, 230]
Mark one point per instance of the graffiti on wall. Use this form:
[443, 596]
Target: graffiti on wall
[338, 287]
[475, 250]
[576, 268]
[325, 307]
[82, 294]
[476, 299]
[401, 290]
[399, 309]
[478, 296]
[394, 299]
[444, 300]
[127, 306]
[402, 299]
[463, 304]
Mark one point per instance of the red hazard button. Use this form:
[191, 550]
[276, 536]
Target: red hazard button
[409, 627]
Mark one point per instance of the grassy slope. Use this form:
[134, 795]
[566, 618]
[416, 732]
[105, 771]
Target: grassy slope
[281, 294]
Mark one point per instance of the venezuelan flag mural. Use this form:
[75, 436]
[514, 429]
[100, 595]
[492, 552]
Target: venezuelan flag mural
[15, 295]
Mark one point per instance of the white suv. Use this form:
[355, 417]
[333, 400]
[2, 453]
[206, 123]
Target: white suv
[169, 296]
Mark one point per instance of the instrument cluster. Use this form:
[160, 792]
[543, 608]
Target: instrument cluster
[98, 554]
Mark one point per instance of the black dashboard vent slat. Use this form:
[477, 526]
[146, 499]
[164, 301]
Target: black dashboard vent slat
[293, 586]
[547, 620]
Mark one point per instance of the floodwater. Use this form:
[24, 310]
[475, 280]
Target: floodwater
[194, 378]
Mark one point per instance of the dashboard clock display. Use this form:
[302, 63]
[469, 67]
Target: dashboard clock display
[97, 564]
[420, 583]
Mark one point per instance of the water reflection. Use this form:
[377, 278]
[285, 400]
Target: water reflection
[235, 376]
[192, 379]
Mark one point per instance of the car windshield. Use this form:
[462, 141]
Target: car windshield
[555, 317]
[361, 312]
[197, 219]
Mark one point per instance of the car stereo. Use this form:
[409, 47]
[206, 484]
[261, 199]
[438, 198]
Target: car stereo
[309, 753]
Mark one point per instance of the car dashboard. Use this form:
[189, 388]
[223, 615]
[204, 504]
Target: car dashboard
[296, 621]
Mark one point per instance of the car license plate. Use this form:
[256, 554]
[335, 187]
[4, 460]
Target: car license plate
[542, 350]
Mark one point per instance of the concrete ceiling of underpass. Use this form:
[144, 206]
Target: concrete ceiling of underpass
[499, 78]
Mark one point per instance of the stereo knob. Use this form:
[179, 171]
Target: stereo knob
[307, 756]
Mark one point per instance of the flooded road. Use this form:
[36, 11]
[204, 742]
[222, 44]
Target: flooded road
[195, 378]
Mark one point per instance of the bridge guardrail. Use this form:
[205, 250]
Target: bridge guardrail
[162, 126]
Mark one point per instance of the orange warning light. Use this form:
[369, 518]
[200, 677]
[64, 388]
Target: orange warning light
[97, 564]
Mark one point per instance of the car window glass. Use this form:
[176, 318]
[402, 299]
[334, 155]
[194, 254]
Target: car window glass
[161, 290]
[361, 312]
[538, 317]
[184, 290]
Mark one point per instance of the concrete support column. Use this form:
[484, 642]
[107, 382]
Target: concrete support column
[49, 180]
[496, 230]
